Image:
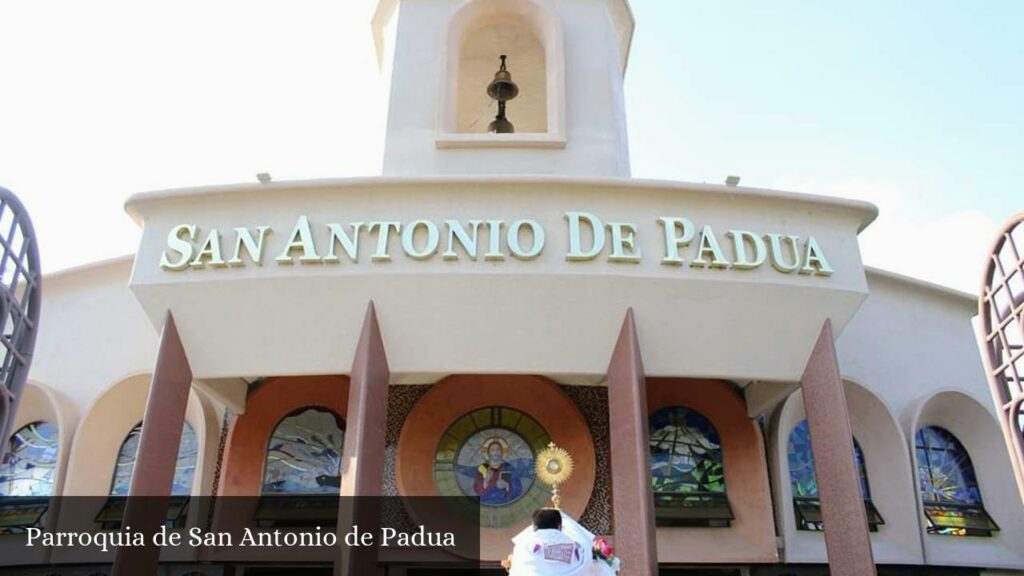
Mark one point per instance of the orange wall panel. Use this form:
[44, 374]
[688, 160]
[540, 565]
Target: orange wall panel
[751, 538]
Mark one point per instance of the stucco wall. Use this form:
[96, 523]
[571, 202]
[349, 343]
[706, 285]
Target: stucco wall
[92, 332]
[912, 345]
[888, 464]
[908, 341]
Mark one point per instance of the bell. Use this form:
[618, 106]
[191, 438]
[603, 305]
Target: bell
[502, 89]
[501, 125]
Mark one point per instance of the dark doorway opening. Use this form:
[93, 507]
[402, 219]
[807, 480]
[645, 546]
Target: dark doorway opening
[290, 571]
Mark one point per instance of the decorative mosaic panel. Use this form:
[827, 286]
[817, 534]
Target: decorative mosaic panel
[184, 468]
[400, 402]
[490, 453]
[28, 467]
[686, 453]
[304, 454]
[592, 402]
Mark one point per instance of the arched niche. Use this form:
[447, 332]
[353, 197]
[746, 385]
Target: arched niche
[93, 457]
[750, 536]
[515, 37]
[976, 428]
[41, 404]
[243, 464]
[112, 416]
[888, 466]
[268, 404]
[518, 408]
[531, 36]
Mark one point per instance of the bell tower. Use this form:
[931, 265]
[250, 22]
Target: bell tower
[505, 87]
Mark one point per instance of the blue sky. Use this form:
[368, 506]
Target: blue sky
[926, 94]
[916, 106]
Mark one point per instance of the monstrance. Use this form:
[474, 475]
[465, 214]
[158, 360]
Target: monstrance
[554, 467]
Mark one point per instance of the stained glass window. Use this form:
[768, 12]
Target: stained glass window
[687, 469]
[804, 481]
[490, 454]
[949, 487]
[26, 476]
[28, 467]
[112, 512]
[184, 470]
[304, 454]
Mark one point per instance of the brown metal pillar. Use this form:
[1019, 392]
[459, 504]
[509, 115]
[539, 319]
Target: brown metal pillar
[363, 456]
[632, 500]
[842, 505]
[157, 454]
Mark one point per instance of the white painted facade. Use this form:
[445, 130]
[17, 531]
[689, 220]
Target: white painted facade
[906, 348]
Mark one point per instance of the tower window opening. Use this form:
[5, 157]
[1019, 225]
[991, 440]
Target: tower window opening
[481, 94]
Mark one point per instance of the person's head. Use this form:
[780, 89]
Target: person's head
[495, 453]
[547, 519]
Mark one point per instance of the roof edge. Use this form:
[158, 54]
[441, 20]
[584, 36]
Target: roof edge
[868, 211]
[922, 284]
[88, 267]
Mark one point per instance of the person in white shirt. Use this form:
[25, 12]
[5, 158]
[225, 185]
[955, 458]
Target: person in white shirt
[555, 545]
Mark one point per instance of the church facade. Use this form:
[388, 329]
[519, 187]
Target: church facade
[727, 374]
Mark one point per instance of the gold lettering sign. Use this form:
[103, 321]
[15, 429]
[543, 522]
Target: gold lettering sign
[588, 238]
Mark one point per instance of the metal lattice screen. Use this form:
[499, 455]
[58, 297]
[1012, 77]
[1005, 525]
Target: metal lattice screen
[20, 280]
[1001, 309]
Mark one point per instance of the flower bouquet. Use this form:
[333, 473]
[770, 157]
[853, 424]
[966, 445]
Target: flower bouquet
[603, 552]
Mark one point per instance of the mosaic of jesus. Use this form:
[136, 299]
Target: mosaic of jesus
[496, 466]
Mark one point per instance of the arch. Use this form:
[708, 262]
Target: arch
[39, 403]
[885, 460]
[531, 35]
[977, 431]
[269, 402]
[102, 431]
[93, 456]
[687, 469]
[1001, 336]
[303, 454]
[751, 533]
[481, 44]
[455, 396]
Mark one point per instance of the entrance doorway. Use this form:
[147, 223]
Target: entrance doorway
[290, 571]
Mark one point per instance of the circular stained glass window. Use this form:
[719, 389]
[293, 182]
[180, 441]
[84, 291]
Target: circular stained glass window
[489, 454]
